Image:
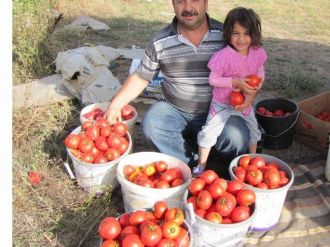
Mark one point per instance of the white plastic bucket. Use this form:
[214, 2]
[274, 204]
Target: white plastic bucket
[103, 106]
[270, 202]
[97, 177]
[136, 196]
[209, 234]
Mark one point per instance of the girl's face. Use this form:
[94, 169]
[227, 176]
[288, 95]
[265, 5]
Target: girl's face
[240, 39]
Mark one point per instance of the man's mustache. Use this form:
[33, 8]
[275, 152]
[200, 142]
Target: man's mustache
[189, 13]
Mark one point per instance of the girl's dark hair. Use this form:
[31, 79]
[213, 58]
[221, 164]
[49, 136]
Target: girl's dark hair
[246, 18]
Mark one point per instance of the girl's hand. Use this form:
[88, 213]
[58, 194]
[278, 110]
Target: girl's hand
[248, 100]
[242, 85]
[113, 114]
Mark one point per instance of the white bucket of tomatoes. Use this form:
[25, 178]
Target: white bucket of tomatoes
[147, 177]
[160, 225]
[95, 149]
[223, 210]
[94, 111]
[270, 178]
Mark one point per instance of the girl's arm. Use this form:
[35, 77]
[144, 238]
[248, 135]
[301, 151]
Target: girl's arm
[217, 80]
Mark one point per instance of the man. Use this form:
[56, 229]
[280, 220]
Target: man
[181, 52]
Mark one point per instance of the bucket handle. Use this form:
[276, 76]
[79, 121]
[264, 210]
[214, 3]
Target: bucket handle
[281, 133]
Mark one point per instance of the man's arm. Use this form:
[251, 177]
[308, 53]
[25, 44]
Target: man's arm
[131, 89]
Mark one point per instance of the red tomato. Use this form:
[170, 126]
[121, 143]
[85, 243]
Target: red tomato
[110, 243]
[244, 161]
[167, 243]
[87, 157]
[226, 220]
[239, 172]
[128, 230]
[222, 182]
[225, 204]
[101, 143]
[215, 190]
[76, 153]
[192, 200]
[239, 214]
[120, 128]
[109, 228]
[278, 113]
[105, 131]
[171, 230]
[234, 186]
[183, 239]
[262, 186]
[114, 141]
[128, 170]
[273, 165]
[72, 141]
[214, 217]
[204, 199]
[258, 161]
[160, 208]
[161, 166]
[254, 80]
[34, 178]
[86, 124]
[245, 197]
[124, 220]
[93, 132]
[209, 176]
[102, 122]
[86, 145]
[196, 186]
[262, 110]
[127, 112]
[122, 147]
[100, 159]
[137, 217]
[162, 184]
[112, 154]
[151, 234]
[272, 179]
[171, 174]
[200, 212]
[177, 182]
[132, 240]
[174, 214]
[254, 176]
[236, 98]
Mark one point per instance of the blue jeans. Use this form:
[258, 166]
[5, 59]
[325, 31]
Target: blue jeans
[174, 132]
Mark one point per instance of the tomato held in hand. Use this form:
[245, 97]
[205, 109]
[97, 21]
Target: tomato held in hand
[254, 80]
[236, 98]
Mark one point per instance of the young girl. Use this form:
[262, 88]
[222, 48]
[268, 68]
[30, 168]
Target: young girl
[230, 68]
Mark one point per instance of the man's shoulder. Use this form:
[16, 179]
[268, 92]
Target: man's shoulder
[216, 25]
[163, 33]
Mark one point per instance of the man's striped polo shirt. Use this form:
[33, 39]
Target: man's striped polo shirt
[184, 66]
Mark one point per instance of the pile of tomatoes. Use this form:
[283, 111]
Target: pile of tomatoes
[98, 142]
[162, 226]
[216, 200]
[154, 175]
[276, 113]
[257, 172]
[127, 112]
[324, 116]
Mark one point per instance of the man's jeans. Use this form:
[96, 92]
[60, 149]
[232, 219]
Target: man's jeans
[175, 133]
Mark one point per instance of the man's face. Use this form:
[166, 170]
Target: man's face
[190, 13]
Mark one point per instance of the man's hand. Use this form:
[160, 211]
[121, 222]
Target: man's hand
[113, 114]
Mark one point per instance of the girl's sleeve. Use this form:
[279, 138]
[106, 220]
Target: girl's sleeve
[262, 58]
[218, 64]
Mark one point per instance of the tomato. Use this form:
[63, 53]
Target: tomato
[204, 199]
[110, 243]
[215, 190]
[72, 141]
[151, 234]
[124, 220]
[87, 157]
[114, 141]
[137, 217]
[160, 208]
[240, 173]
[236, 98]
[120, 128]
[283, 178]
[128, 170]
[109, 228]
[244, 161]
[102, 122]
[171, 230]
[258, 161]
[161, 166]
[177, 182]
[262, 186]
[196, 186]
[162, 184]
[192, 200]
[209, 176]
[245, 197]
[167, 243]
[222, 182]
[225, 204]
[76, 153]
[214, 217]
[254, 177]
[34, 178]
[92, 132]
[174, 214]
[127, 112]
[183, 239]
[149, 170]
[239, 214]
[128, 230]
[200, 212]
[273, 165]
[150, 216]
[85, 145]
[226, 220]
[132, 240]
[101, 143]
[234, 186]
[112, 154]
[86, 124]
[105, 131]
[272, 179]
[261, 110]
[122, 147]
[278, 112]
[254, 80]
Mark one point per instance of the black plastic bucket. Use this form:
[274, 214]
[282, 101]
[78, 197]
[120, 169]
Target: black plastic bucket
[279, 129]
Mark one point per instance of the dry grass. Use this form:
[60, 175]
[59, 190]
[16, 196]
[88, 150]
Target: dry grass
[59, 213]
